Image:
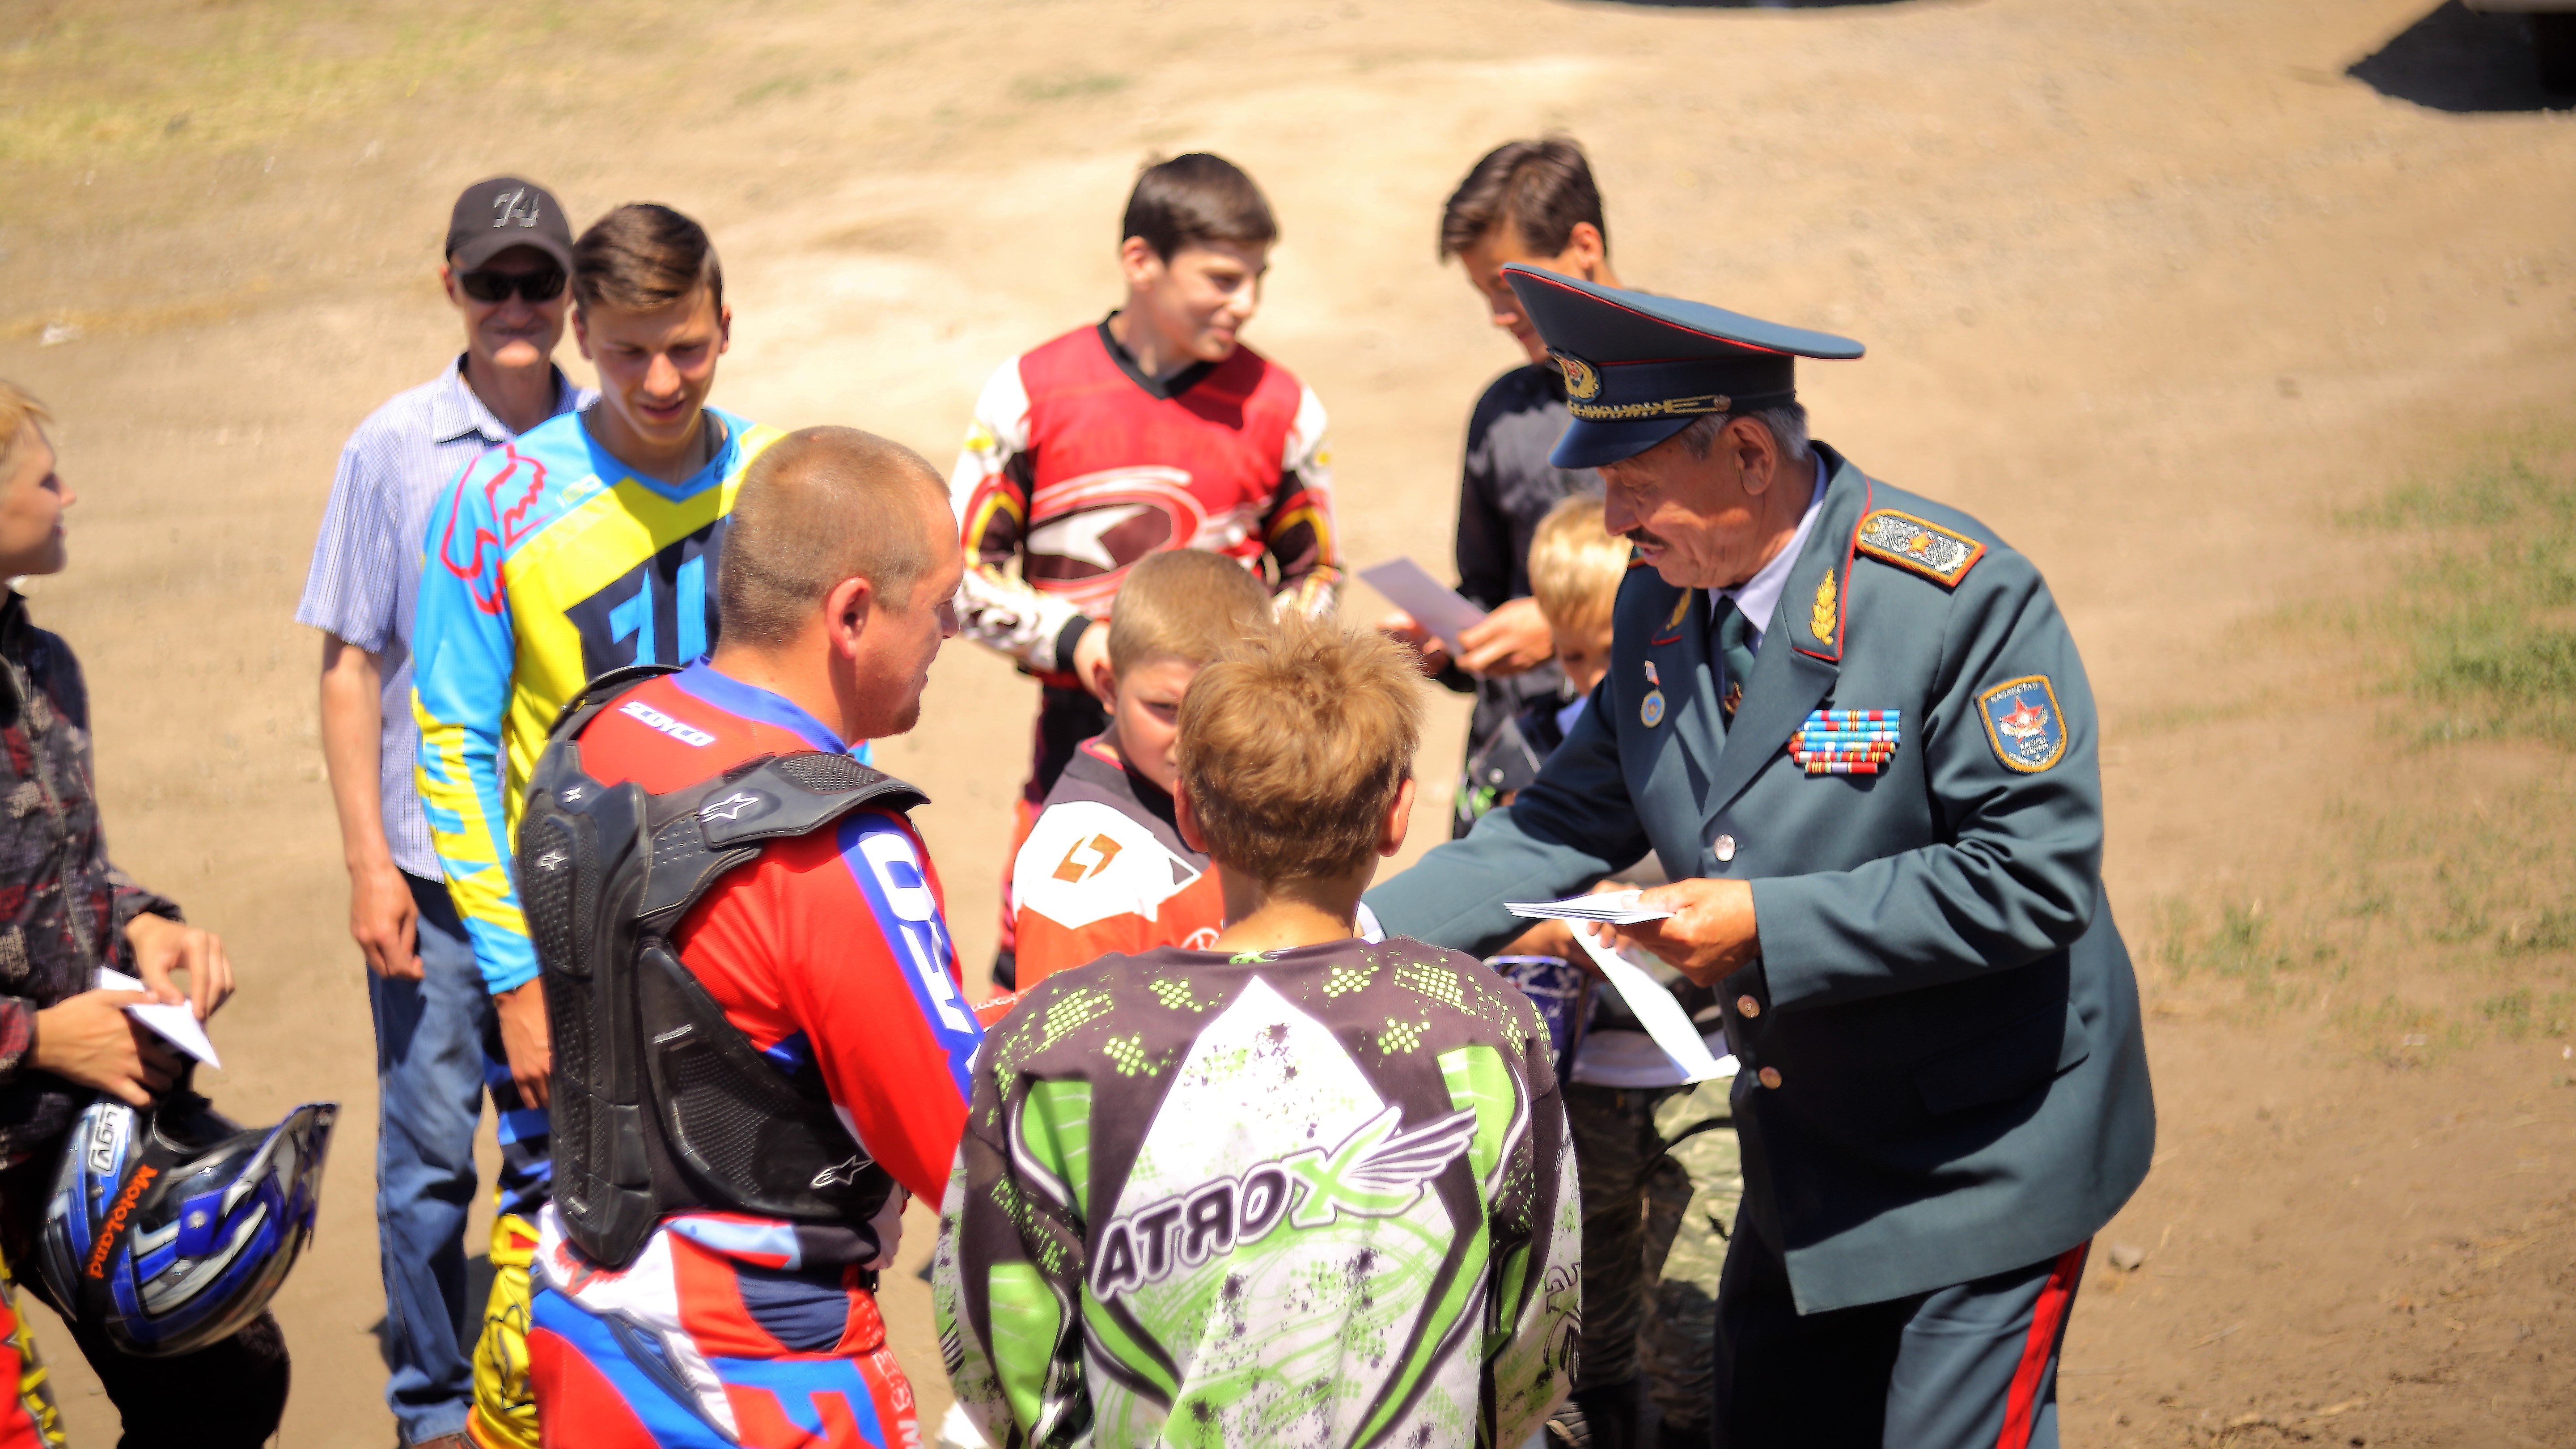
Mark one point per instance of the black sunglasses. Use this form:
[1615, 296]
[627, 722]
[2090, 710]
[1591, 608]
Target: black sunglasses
[491, 286]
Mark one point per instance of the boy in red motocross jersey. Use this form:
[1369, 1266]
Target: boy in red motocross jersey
[829, 953]
[1152, 429]
[1105, 868]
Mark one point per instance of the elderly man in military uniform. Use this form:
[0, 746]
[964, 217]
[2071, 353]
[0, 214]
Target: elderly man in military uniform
[1851, 724]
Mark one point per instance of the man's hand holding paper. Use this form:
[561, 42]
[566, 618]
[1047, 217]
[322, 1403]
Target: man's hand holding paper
[1704, 928]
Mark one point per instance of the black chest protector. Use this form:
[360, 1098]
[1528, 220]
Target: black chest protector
[660, 1104]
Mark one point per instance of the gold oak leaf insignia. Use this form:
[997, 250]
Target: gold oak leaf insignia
[1824, 619]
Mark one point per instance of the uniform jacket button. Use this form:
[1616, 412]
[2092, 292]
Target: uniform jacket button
[1746, 1006]
[1723, 847]
[1770, 1076]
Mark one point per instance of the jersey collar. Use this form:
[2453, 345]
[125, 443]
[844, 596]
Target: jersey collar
[1148, 794]
[751, 702]
[718, 468]
[1160, 389]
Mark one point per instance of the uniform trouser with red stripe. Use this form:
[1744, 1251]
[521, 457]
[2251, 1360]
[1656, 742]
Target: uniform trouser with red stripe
[1968, 1367]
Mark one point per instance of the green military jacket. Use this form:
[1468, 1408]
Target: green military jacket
[1941, 995]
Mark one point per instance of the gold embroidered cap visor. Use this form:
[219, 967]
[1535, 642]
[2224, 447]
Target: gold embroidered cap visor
[1639, 368]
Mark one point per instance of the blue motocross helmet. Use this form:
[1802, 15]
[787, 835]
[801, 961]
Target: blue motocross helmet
[171, 1227]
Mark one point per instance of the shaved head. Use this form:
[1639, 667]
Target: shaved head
[819, 506]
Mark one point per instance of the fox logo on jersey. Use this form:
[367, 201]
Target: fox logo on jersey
[513, 490]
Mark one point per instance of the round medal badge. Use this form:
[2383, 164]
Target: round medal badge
[1650, 711]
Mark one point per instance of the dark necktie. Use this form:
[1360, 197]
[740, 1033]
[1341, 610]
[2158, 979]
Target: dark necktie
[1734, 656]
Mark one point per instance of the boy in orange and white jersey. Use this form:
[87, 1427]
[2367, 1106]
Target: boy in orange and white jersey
[1104, 868]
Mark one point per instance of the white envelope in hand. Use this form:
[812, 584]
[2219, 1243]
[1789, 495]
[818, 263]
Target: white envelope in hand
[1657, 1011]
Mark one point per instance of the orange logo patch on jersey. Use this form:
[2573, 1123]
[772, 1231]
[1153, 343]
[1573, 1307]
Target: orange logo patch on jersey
[1087, 858]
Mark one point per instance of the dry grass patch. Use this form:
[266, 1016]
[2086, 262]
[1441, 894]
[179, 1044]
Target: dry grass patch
[2441, 913]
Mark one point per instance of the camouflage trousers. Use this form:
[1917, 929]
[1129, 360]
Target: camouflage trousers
[1657, 1208]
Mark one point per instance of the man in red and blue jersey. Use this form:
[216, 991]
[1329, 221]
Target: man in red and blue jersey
[829, 953]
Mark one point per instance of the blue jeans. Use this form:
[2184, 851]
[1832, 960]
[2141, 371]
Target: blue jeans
[432, 1037]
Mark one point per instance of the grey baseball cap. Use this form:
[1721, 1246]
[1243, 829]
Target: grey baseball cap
[502, 212]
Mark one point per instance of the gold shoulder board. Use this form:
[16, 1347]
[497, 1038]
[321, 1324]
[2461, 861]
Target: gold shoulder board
[1919, 546]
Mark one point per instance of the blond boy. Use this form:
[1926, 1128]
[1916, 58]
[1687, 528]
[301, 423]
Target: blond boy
[1105, 867]
[1296, 1188]
[1656, 1202]
[1574, 570]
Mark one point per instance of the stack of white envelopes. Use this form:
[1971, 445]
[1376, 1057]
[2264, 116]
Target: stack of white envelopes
[1615, 908]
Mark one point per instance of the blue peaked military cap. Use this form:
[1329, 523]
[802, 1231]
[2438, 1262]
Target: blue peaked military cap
[1640, 368]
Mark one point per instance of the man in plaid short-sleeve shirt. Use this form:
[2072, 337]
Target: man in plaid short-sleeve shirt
[509, 253]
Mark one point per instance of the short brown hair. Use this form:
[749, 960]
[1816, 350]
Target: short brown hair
[816, 507]
[1541, 187]
[1198, 198]
[1576, 563]
[1294, 743]
[19, 411]
[1185, 604]
[643, 257]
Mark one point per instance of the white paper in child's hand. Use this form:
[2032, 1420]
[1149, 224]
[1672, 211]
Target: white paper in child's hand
[1438, 608]
[177, 1025]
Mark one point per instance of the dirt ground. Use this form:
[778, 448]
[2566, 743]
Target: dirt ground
[2165, 292]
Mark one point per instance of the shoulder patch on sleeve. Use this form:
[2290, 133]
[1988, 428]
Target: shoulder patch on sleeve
[2023, 724]
[1919, 546]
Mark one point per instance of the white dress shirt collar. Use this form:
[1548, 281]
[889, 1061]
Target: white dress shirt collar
[1760, 594]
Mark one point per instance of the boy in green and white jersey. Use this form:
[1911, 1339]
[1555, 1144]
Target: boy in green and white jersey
[1298, 1189]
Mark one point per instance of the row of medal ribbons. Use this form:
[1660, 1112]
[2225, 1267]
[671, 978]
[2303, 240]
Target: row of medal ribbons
[1846, 741]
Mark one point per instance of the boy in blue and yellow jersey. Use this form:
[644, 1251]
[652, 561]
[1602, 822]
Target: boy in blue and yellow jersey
[588, 543]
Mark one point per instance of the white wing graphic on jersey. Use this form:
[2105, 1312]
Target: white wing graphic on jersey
[1409, 1158]
[1085, 861]
[1377, 1171]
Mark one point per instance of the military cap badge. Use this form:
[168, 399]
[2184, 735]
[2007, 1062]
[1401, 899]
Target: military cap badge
[1581, 383]
[2023, 723]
